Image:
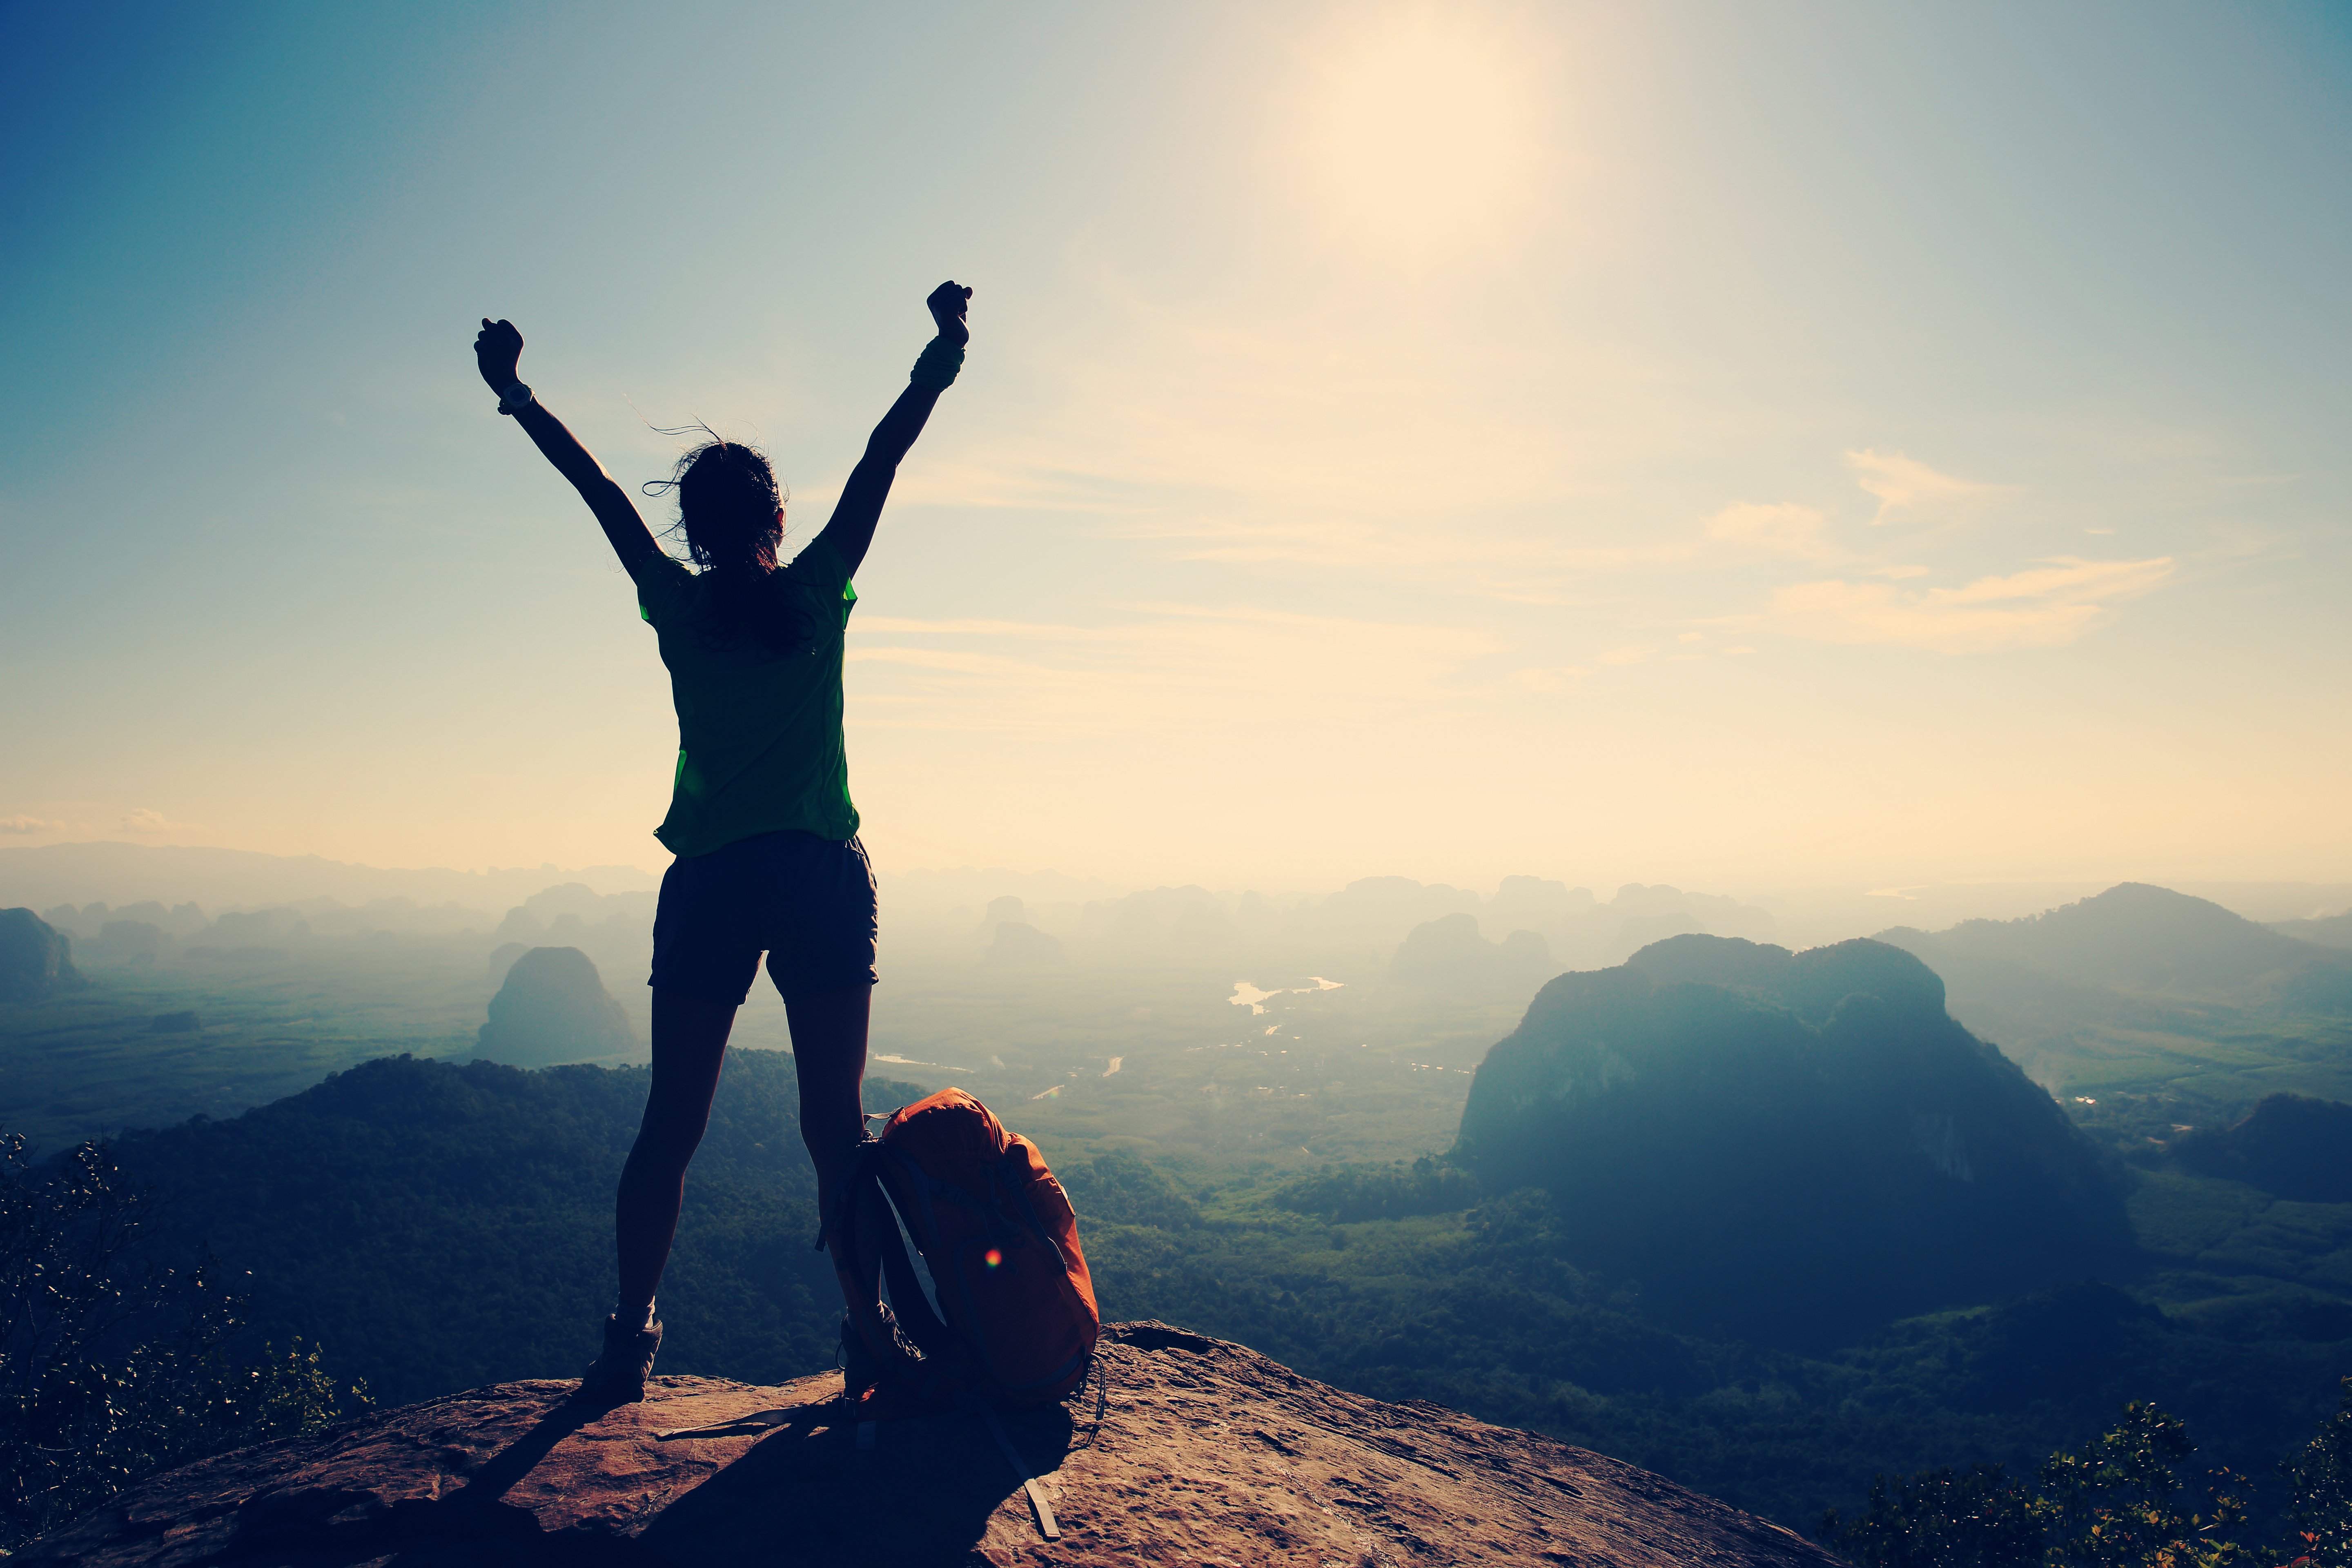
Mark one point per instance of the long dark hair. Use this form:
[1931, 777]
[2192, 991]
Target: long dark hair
[728, 502]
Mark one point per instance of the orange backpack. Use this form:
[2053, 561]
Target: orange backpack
[1001, 1242]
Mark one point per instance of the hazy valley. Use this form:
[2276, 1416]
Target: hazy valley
[1617, 1168]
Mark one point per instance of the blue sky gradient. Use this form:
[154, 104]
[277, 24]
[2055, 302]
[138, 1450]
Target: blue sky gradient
[1694, 443]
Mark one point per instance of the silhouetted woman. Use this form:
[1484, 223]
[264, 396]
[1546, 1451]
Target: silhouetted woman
[759, 818]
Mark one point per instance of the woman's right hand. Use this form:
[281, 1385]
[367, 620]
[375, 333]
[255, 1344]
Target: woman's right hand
[947, 302]
[497, 348]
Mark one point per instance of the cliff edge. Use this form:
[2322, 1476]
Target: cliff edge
[1203, 1452]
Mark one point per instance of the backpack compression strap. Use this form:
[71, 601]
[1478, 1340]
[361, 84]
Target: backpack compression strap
[1048, 1525]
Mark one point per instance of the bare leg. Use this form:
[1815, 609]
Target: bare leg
[829, 1054]
[689, 1044]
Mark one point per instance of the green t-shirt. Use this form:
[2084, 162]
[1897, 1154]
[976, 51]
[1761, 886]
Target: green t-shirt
[758, 733]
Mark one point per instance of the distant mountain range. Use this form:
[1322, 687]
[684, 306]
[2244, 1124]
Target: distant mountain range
[937, 916]
[2327, 931]
[2135, 937]
[118, 873]
[81, 889]
[2133, 960]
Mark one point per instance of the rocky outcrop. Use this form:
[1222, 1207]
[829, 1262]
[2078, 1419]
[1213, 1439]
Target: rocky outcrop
[1185, 1450]
[36, 957]
[552, 1008]
[1448, 954]
[1020, 946]
[1799, 1147]
[2291, 1145]
[123, 941]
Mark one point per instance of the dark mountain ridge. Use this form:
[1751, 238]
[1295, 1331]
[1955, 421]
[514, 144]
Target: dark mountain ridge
[1791, 1146]
[437, 1226]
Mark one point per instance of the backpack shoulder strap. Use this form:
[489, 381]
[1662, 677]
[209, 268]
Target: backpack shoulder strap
[913, 1308]
[842, 1235]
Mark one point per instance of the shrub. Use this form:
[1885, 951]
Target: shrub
[111, 1370]
[2119, 1503]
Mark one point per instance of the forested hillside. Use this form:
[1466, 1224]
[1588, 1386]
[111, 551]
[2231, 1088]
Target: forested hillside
[437, 1226]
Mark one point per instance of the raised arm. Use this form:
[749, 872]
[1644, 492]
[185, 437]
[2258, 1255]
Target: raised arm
[851, 527]
[498, 349]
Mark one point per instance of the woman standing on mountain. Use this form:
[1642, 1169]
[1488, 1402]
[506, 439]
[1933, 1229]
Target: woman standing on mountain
[760, 816]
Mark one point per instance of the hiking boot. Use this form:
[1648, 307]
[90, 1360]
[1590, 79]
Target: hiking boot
[620, 1373]
[859, 1371]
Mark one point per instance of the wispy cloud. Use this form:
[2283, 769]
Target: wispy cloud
[21, 824]
[1904, 484]
[1782, 528]
[1555, 678]
[2047, 606]
[1167, 667]
[147, 819]
[904, 626]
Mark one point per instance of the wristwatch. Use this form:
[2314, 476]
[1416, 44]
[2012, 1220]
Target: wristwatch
[514, 399]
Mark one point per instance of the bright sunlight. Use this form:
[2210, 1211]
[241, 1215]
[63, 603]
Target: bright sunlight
[1425, 128]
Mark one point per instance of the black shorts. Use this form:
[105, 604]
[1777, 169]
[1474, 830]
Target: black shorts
[807, 902]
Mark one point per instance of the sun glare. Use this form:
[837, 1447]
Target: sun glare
[1423, 129]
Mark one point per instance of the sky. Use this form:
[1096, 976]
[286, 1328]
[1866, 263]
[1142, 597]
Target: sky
[1722, 445]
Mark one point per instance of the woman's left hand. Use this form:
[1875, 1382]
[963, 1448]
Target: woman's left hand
[947, 302]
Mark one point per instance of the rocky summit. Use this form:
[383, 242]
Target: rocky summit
[1799, 1147]
[552, 1007]
[1180, 1449]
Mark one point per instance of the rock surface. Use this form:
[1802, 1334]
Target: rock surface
[1205, 1453]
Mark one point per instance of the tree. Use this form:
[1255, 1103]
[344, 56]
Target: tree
[2319, 1482]
[1976, 1518]
[2119, 1503]
[109, 1370]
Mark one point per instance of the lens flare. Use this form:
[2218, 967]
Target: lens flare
[992, 1257]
